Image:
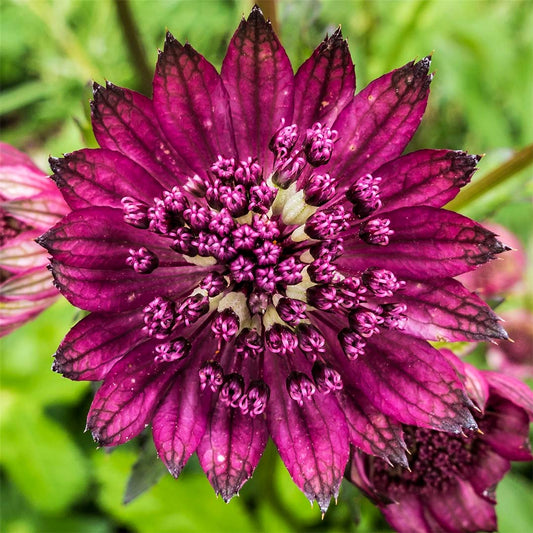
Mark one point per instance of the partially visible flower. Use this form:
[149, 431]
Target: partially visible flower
[451, 480]
[499, 277]
[516, 357]
[29, 204]
[260, 260]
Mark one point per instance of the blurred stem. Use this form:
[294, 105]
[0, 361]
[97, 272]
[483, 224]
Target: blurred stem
[135, 46]
[269, 9]
[519, 161]
[67, 40]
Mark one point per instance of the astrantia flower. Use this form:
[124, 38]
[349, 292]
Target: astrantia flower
[258, 260]
[451, 483]
[29, 205]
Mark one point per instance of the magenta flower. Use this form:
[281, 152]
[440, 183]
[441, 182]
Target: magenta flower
[452, 479]
[29, 205]
[259, 260]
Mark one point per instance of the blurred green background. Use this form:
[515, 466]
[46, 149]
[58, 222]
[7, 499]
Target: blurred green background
[52, 477]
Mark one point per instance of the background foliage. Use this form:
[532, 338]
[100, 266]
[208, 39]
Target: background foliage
[52, 478]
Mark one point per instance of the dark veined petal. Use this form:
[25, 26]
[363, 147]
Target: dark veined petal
[370, 430]
[180, 421]
[102, 178]
[233, 441]
[124, 120]
[460, 509]
[98, 238]
[34, 285]
[380, 121]
[412, 382]
[91, 348]
[325, 83]
[130, 394]
[192, 106]
[89, 248]
[312, 439]
[444, 310]
[258, 76]
[426, 243]
[425, 177]
[118, 290]
[231, 448]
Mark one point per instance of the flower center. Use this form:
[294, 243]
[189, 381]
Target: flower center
[436, 460]
[271, 239]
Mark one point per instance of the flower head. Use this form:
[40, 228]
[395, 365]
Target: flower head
[29, 205]
[451, 481]
[260, 260]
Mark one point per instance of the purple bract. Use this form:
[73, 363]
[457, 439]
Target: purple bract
[452, 479]
[260, 260]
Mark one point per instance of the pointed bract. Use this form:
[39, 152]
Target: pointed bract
[180, 421]
[125, 403]
[93, 346]
[258, 77]
[125, 121]
[192, 106]
[325, 83]
[380, 121]
[426, 243]
[312, 438]
[443, 310]
[101, 177]
[231, 448]
[425, 177]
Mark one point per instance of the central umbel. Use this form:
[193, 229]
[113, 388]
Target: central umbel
[271, 241]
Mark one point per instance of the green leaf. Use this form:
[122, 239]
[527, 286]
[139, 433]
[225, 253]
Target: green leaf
[41, 458]
[187, 504]
[27, 358]
[146, 472]
[23, 95]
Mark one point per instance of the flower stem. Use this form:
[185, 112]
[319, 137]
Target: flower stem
[269, 9]
[135, 46]
[519, 161]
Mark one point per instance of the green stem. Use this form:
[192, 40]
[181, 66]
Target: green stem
[519, 161]
[269, 9]
[135, 46]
